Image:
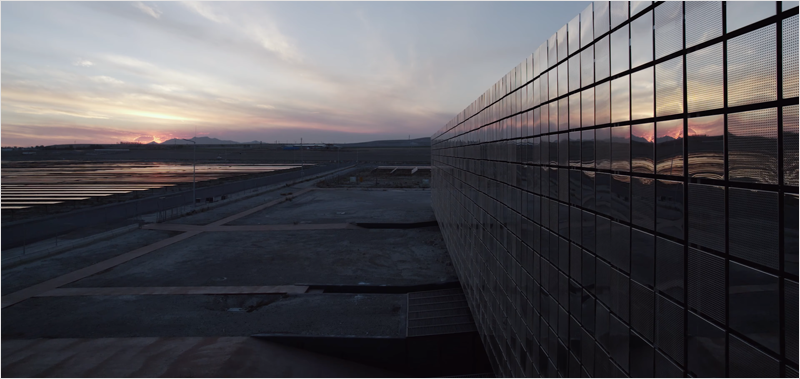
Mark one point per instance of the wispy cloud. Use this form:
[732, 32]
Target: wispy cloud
[82, 63]
[106, 80]
[148, 10]
[263, 31]
[206, 11]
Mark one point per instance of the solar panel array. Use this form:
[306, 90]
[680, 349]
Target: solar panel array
[625, 201]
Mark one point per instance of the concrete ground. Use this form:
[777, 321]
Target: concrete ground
[161, 284]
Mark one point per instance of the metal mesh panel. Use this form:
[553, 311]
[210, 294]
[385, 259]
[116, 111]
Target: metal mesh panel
[642, 310]
[603, 148]
[752, 67]
[669, 328]
[601, 17]
[706, 154]
[642, 257]
[703, 21]
[754, 305]
[753, 223]
[642, 150]
[587, 148]
[668, 28]
[706, 343]
[669, 87]
[587, 66]
[707, 284]
[753, 146]
[498, 233]
[704, 79]
[575, 73]
[643, 202]
[620, 197]
[707, 216]
[790, 316]
[743, 13]
[746, 361]
[790, 145]
[619, 50]
[602, 61]
[574, 34]
[620, 99]
[790, 57]
[562, 42]
[669, 268]
[669, 208]
[621, 148]
[587, 35]
[602, 101]
[791, 229]
[642, 40]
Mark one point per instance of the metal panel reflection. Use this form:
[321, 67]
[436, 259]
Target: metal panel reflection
[668, 28]
[643, 202]
[790, 57]
[669, 208]
[523, 237]
[669, 87]
[575, 72]
[743, 13]
[752, 67]
[703, 21]
[753, 226]
[587, 66]
[706, 155]
[707, 216]
[619, 50]
[575, 111]
[601, 18]
[587, 107]
[602, 101]
[790, 146]
[587, 34]
[753, 146]
[669, 147]
[642, 40]
[704, 79]
[620, 99]
[602, 62]
[642, 94]
[603, 148]
[621, 148]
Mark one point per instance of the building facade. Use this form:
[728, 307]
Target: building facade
[625, 201]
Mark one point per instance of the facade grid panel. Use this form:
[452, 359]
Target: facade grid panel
[624, 202]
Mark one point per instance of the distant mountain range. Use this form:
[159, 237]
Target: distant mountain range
[418, 142]
[199, 141]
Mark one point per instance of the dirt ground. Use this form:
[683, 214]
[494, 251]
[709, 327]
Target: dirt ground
[374, 177]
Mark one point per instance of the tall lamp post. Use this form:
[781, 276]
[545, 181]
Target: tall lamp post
[194, 170]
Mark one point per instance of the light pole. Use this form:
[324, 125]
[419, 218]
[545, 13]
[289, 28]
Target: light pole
[194, 170]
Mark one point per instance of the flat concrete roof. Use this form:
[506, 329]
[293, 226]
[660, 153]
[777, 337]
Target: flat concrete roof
[169, 284]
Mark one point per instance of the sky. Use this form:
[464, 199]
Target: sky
[105, 72]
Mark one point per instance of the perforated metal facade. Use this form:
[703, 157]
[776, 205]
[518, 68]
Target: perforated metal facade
[627, 204]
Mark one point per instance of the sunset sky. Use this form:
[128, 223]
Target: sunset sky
[104, 72]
